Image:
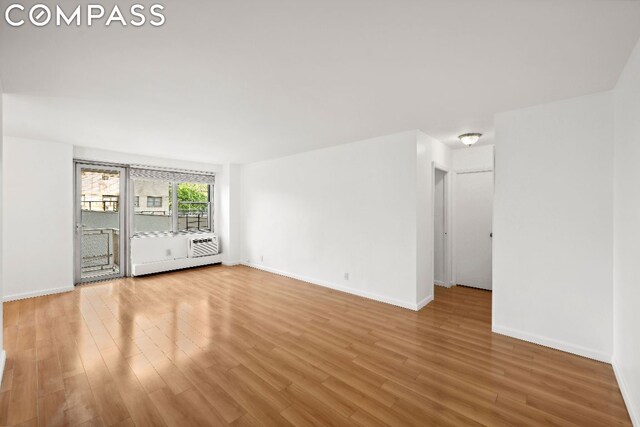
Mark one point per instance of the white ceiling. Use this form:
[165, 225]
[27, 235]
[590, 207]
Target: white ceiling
[240, 81]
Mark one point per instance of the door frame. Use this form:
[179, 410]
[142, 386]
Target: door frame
[123, 203]
[448, 270]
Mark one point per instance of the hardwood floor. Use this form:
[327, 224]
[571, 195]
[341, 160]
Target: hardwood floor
[234, 345]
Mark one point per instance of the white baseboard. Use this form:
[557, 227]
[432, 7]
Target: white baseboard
[634, 413]
[424, 302]
[3, 361]
[364, 294]
[231, 263]
[552, 343]
[443, 284]
[34, 294]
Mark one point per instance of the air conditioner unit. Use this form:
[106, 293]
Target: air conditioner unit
[202, 246]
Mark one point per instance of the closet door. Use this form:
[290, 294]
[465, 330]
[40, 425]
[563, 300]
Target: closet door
[473, 235]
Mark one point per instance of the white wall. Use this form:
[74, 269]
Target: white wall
[346, 209]
[364, 209]
[230, 204]
[626, 295]
[37, 217]
[553, 225]
[473, 158]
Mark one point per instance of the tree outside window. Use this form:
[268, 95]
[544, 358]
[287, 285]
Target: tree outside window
[193, 206]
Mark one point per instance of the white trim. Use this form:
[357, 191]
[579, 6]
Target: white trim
[633, 412]
[440, 166]
[443, 284]
[474, 170]
[33, 294]
[424, 303]
[231, 263]
[552, 343]
[3, 360]
[357, 292]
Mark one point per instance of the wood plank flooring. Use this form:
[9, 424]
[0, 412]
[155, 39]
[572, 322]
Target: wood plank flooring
[238, 346]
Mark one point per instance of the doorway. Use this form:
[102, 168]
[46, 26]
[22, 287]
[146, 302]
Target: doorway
[473, 228]
[99, 222]
[440, 227]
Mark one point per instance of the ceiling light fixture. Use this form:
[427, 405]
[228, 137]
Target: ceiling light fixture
[469, 139]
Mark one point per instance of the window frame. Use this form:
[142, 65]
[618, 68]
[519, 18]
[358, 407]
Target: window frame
[210, 223]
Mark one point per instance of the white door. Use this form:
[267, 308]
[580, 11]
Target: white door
[473, 234]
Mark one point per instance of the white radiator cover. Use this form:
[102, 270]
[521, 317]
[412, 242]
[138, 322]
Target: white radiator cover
[155, 254]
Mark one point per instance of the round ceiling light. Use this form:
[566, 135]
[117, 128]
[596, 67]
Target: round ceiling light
[469, 139]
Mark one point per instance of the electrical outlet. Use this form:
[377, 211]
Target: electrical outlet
[346, 276]
[168, 252]
[261, 258]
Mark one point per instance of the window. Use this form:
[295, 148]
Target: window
[100, 191]
[193, 206]
[176, 202]
[152, 217]
[154, 202]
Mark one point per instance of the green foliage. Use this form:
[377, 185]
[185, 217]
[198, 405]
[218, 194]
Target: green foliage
[192, 192]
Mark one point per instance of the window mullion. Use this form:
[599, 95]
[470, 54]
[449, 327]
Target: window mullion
[174, 204]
